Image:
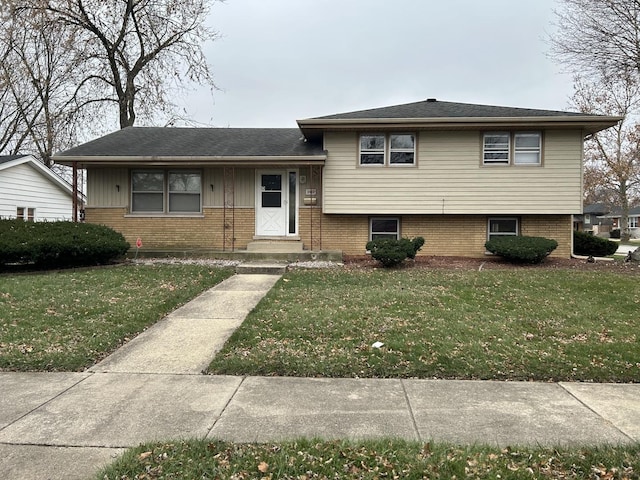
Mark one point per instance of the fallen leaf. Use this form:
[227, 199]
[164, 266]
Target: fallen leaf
[263, 467]
[144, 456]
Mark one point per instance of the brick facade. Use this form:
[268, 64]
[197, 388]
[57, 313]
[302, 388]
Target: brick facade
[445, 235]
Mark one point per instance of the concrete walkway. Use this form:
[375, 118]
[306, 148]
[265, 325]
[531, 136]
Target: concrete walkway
[68, 425]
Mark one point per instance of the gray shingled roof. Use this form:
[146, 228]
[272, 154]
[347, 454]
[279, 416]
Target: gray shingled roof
[9, 158]
[431, 108]
[198, 142]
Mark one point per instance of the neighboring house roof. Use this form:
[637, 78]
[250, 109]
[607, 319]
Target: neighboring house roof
[9, 161]
[435, 113]
[617, 212]
[596, 209]
[157, 144]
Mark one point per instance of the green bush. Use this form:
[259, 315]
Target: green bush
[590, 245]
[519, 249]
[391, 252]
[615, 233]
[59, 244]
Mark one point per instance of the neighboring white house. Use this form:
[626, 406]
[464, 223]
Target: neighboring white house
[31, 191]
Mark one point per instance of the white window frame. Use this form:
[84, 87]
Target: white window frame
[372, 151]
[526, 151]
[492, 149]
[26, 214]
[510, 149]
[633, 222]
[393, 149]
[502, 234]
[387, 151]
[395, 219]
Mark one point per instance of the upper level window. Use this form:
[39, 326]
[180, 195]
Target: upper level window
[389, 149]
[372, 149]
[159, 191]
[496, 148]
[517, 148]
[527, 148]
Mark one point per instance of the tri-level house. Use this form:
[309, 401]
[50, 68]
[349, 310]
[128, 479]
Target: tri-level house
[456, 174]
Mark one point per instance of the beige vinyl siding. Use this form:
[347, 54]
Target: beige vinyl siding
[450, 179]
[102, 190]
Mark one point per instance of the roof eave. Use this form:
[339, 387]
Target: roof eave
[195, 161]
[590, 124]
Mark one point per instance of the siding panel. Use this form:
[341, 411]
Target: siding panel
[23, 186]
[449, 178]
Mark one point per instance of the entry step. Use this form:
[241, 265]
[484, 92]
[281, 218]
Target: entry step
[275, 246]
[262, 268]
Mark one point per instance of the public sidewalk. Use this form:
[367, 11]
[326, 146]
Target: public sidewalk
[68, 425]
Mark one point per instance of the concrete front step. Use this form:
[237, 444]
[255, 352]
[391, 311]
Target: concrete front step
[261, 268]
[275, 246]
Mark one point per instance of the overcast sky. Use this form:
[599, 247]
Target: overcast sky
[282, 60]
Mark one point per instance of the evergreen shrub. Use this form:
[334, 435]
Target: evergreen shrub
[59, 244]
[590, 245]
[521, 249]
[391, 252]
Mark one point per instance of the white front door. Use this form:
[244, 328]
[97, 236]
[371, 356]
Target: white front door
[275, 213]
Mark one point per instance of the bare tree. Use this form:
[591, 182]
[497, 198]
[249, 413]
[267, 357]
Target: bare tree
[612, 166]
[598, 36]
[135, 53]
[37, 74]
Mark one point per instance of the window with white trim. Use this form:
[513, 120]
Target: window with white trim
[387, 149]
[384, 227]
[25, 214]
[633, 222]
[512, 148]
[166, 191]
[502, 226]
[372, 148]
[526, 148]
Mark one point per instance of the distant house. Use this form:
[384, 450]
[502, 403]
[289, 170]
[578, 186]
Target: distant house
[615, 215]
[31, 191]
[456, 174]
[593, 219]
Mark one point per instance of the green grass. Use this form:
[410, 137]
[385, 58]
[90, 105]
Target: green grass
[309, 459]
[68, 320]
[523, 324]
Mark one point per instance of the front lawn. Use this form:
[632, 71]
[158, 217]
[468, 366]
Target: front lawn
[69, 320]
[517, 324]
[308, 459]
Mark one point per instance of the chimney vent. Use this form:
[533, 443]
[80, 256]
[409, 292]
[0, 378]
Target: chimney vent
[431, 100]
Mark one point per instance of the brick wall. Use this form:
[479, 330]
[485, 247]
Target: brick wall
[445, 235]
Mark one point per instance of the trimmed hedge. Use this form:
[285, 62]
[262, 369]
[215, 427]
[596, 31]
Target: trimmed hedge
[391, 252]
[59, 244]
[521, 249]
[590, 245]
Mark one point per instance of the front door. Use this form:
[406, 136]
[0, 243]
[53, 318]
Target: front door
[276, 207]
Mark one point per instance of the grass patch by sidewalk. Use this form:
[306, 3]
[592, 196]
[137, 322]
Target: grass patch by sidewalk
[68, 320]
[307, 459]
[519, 324]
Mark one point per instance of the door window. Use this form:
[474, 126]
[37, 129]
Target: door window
[272, 190]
